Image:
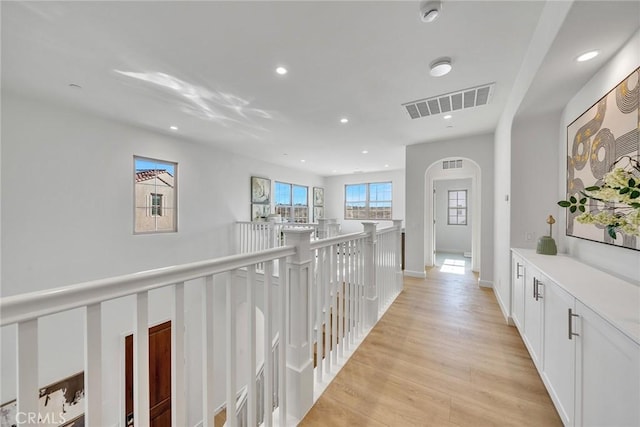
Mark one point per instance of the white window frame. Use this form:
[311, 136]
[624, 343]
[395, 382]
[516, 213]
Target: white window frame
[291, 207]
[459, 207]
[147, 203]
[367, 202]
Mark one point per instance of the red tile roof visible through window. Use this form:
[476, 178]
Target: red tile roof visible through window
[145, 175]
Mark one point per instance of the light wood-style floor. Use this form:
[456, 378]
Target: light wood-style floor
[443, 356]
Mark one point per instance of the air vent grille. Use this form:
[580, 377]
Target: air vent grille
[454, 101]
[452, 164]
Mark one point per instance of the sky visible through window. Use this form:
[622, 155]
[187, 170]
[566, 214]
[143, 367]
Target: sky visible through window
[146, 164]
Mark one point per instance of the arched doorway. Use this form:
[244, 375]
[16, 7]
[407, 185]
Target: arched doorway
[451, 168]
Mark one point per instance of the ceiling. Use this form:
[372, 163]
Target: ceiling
[209, 69]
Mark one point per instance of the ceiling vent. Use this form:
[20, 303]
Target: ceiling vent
[452, 164]
[454, 101]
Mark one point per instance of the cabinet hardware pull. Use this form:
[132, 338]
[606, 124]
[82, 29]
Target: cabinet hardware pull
[535, 287]
[518, 266]
[538, 296]
[571, 333]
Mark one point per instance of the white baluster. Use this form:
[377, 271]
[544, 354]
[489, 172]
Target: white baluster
[335, 301]
[398, 258]
[268, 354]
[370, 270]
[284, 340]
[141, 361]
[342, 248]
[320, 314]
[178, 395]
[232, 421]
[27, 356]
[93, 365]
[330, 315]
[208, 353]
[251, 345]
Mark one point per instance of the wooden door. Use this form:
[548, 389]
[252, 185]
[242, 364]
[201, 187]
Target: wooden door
[159, 376]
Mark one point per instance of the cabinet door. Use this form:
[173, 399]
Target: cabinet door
[607, 373]
[533, 316]
[517, 292]
[559, 350]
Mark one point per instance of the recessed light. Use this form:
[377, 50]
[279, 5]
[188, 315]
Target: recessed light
[173, 127]
[447, 117]
[282, 71]
[386, 166]
[344, 120]
[430, 10]
[334, 171]
[365, 152]
[440, 67]
[587, 56]
[303, 160]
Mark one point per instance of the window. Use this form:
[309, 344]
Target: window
[292, 202]
[156, 204]
[457, 207]
[155, 195]
[368, 201]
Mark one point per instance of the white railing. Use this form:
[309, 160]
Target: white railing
[253, 236]
[334, 283]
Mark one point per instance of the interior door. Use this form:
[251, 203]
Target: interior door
[159, 376]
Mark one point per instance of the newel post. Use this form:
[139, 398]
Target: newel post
[299, 362]
[398, 264]
[323, 228]
[371, 292]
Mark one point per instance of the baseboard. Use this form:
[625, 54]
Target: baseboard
[505, 313]
[485, 284]
[418, 274]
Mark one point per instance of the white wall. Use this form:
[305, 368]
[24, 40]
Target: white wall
[67, 217]
[419, 158]
[534, 176]
[452, 238]
[550, 22]
[622, 262]
[334, 197]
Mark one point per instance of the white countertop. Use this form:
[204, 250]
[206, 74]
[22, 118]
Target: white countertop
[614, 299]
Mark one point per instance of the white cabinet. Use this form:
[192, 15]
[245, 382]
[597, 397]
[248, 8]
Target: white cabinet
[533, 320]
[607, 373]
[582, 329]
[559, 349]
[517, 303]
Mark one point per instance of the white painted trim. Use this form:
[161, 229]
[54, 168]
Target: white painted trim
[505, 313]
[418, 274]
[485, 283]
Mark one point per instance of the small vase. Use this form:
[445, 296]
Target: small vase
[546, 246]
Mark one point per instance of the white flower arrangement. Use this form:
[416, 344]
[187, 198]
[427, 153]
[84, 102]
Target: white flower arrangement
[620, 199]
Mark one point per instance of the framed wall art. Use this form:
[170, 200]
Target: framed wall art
[318, 196]
[260, 190]
[603, 173]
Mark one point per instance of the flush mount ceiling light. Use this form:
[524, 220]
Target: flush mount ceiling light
[344, 120]
[282, 71]
[440, 67]
[587, 56]
[447, 117]
[365, 152]
[430, 10]
[173, 127]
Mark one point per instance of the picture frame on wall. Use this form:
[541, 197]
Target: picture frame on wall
[259, 211]
[318, 213]
[260, 190]
[600, 140]
[318, 196]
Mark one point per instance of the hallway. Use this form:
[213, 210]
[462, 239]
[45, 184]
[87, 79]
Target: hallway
[443, 356]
